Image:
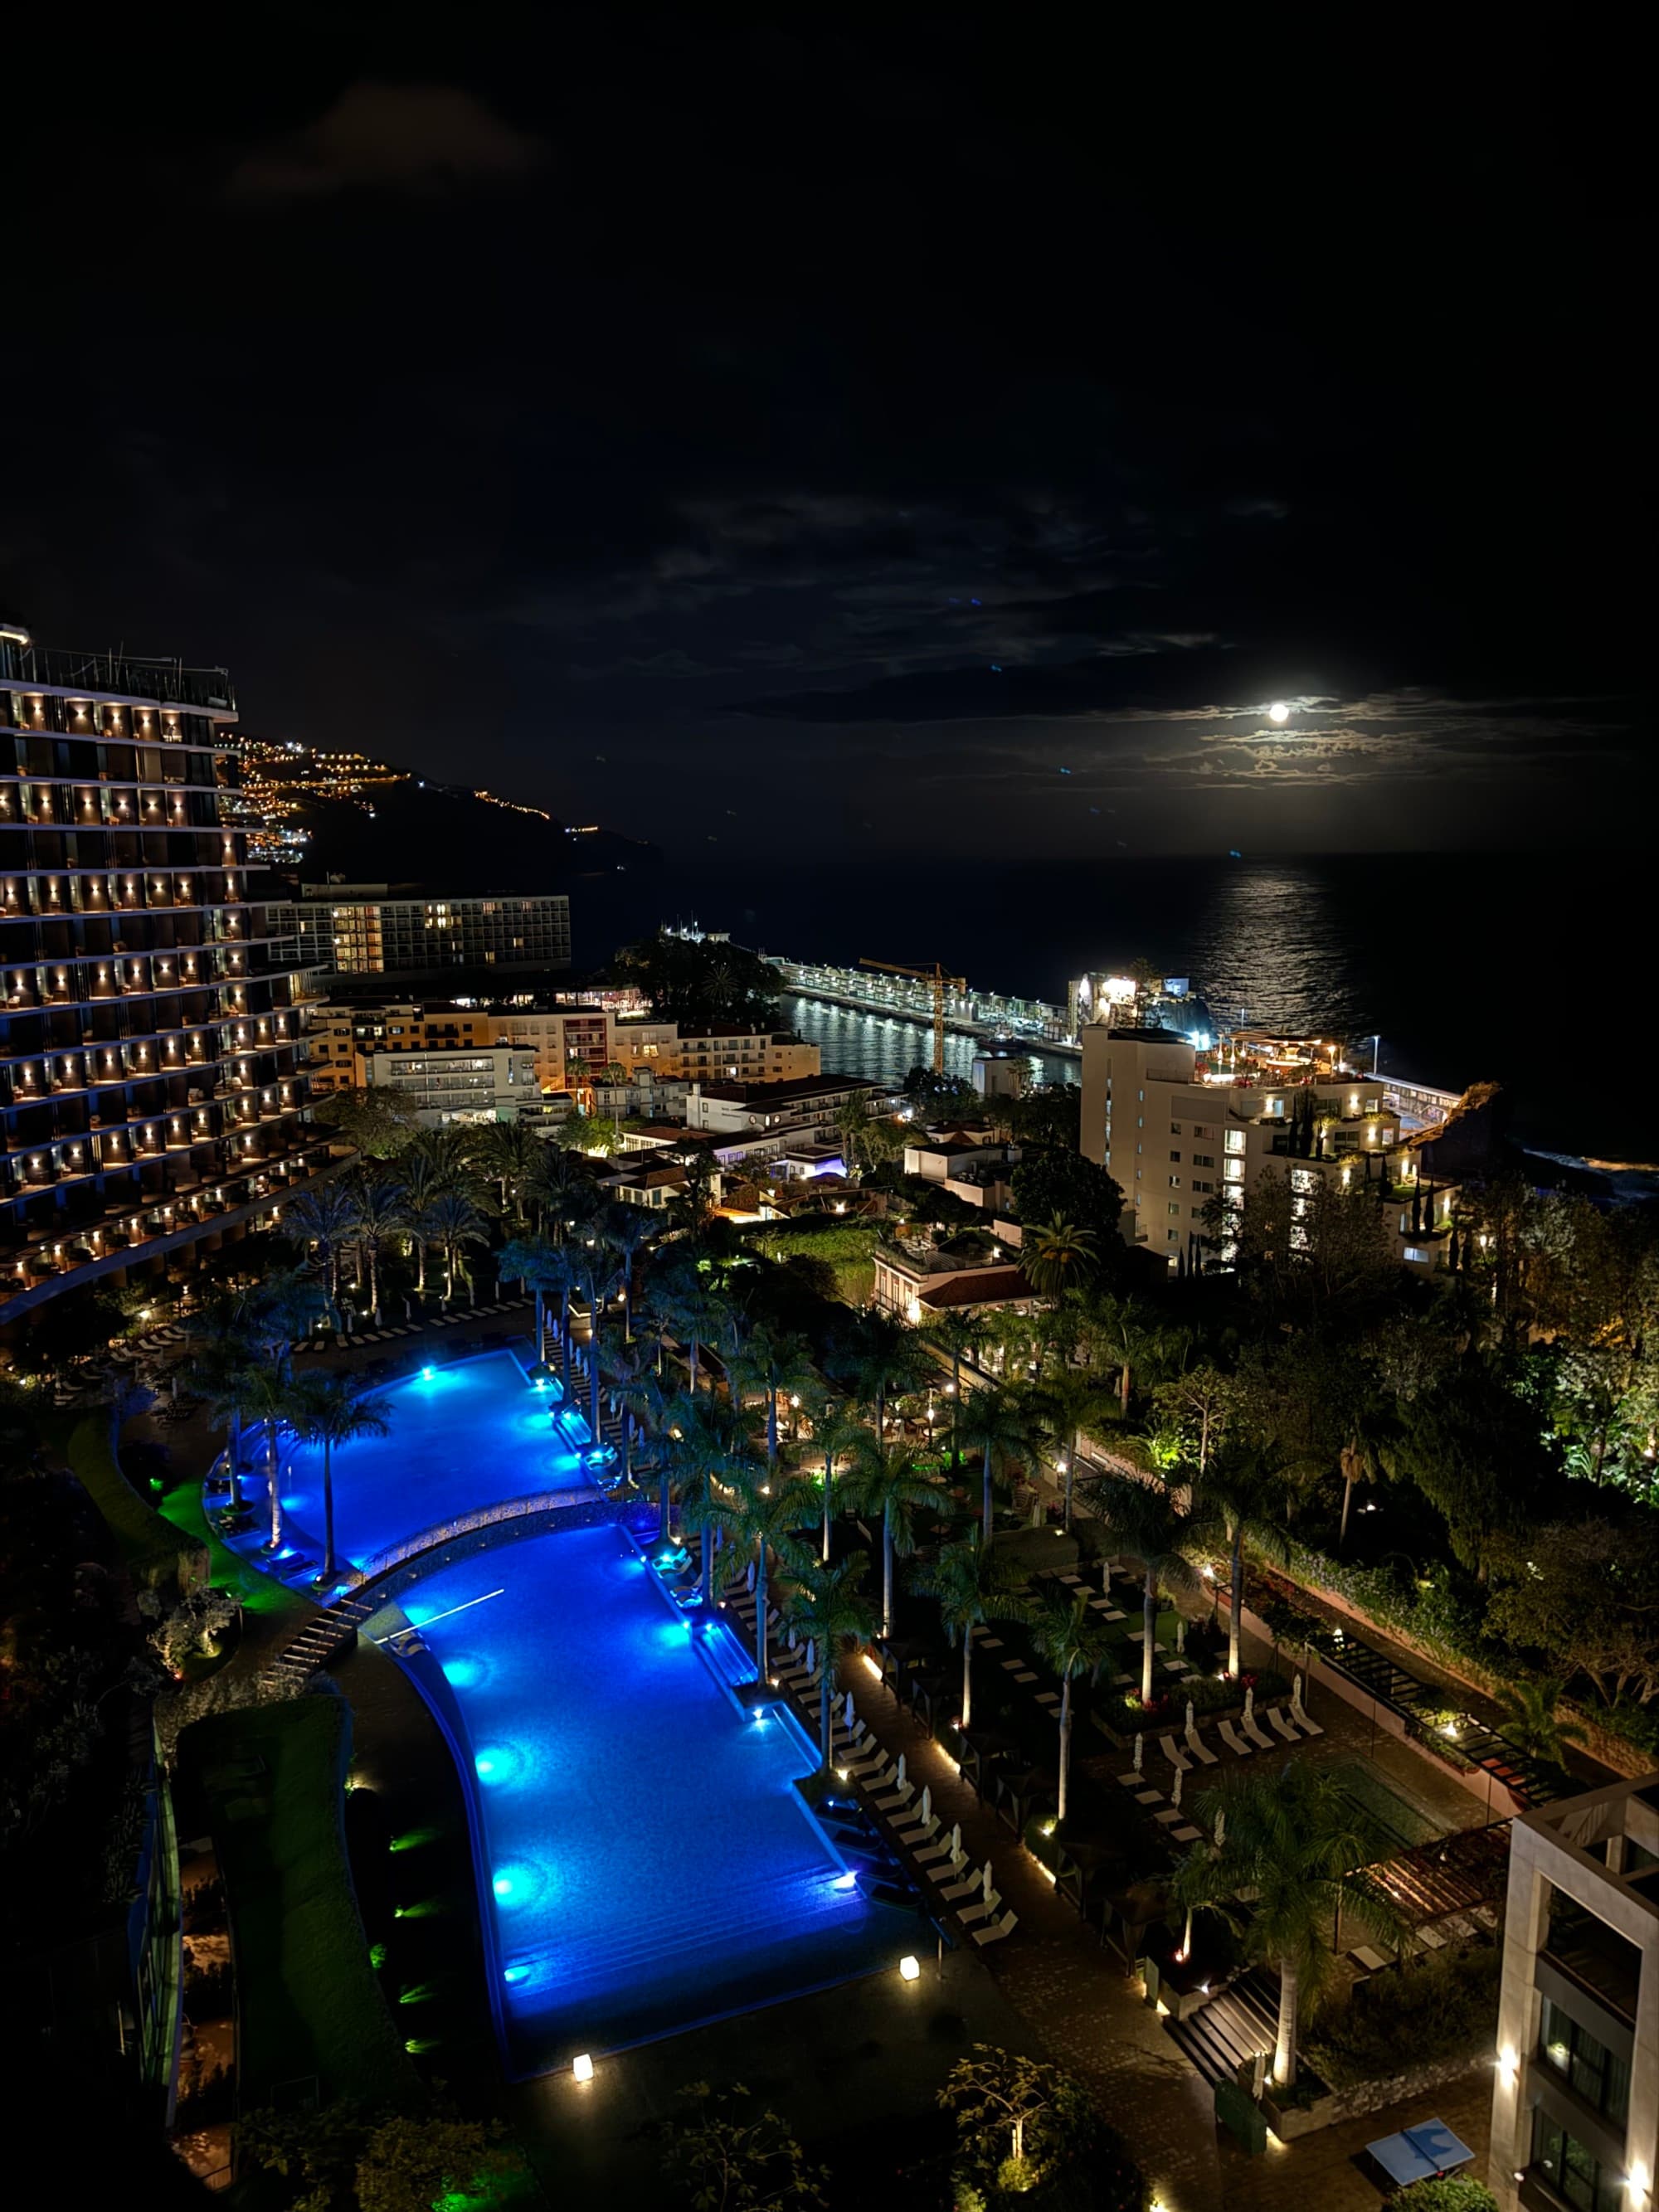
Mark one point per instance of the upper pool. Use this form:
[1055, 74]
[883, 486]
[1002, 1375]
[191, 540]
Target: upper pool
[460, 1438]
[649, 1864]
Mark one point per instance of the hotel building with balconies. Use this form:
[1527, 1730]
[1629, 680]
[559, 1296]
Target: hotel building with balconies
[150, 1093]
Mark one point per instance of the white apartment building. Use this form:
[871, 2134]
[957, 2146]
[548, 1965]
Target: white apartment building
[455, 1083]
[1174, 1144]
[1575, 2119]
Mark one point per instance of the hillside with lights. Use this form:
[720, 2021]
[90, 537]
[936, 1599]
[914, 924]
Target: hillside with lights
[314, 814]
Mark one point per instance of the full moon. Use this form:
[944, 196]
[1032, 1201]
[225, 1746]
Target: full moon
[1279, 712]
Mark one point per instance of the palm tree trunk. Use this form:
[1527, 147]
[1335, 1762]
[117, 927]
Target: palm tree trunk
[967, 1673]
[1071, 1473]
[760, 1614]
[1065, 1746]
[541, 1325]
[1347, 1500]
[233, 1453]
[327, 1574]
[275, 1478]
[1148, 1616]
[663, 1513]
[707, 1546]
[691, 1360]
[829, 1478]
[887, 1571]
[1123, 1388]
[1285, 2046]
[420, 1268]
[988, 1494]
[1236, 1605]
[593, 1367]
[771, 1432]
[564, 1340]
[826, 1690]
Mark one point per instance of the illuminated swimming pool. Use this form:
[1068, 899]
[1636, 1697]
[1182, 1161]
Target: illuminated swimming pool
[462, 1436]
[648, 1863]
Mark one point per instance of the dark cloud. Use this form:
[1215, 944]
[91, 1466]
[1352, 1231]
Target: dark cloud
[907, 412]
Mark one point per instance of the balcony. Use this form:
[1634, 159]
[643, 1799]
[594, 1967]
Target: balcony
[160, 682]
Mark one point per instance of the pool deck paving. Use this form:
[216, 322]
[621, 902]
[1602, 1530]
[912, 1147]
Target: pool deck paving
[1325, 2172]
[1086, 2011]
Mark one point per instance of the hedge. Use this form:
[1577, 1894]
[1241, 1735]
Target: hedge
[1445, 2192]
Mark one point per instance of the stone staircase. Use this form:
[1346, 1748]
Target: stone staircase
[1236, 2024]
[324, 1638]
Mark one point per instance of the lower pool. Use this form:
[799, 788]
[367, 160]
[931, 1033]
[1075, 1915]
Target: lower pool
[647, 1862]
[462, 1436]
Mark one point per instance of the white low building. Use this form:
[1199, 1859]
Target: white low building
[463, 1083]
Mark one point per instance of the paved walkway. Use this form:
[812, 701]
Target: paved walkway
[1086, 2010]
[1322, 2172]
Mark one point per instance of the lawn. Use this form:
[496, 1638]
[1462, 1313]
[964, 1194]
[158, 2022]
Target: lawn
[155, 1552]
[309, 2005]
[257, 1592]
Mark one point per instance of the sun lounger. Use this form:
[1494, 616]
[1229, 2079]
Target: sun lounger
[949, 1870]
[1366, 1956]
[932, 1854]
[1431, 1937]
[1229, 1736]
[1167, 1817]
[919, 1834]
[1131, 1780]
[1487, 1919]
[902, 1795]
[969, 1886]
[1457, 1925]
[996, 1931]
[1308, 1726]
[1177, 1758]
[1256, 1733]
[1149, 1796]
[1200, 1750]
[985, 1909]
[1281, 1726]
[1185, 1835]
[990, 1644]
[1047, 1698]
[1025, 1674]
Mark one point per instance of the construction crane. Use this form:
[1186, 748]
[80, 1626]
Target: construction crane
[941, 983]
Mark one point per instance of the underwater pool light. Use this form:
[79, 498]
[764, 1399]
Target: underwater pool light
[846, 1881]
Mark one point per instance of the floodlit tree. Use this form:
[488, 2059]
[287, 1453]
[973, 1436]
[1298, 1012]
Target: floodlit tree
[725, 2157]
[893, 1484]
[1146, 1523]
[972, 1585]
[1290, 1868]
[1074, 1640]
[325, 1220]
[1240, 1492]
[778, 1365]
[1057, 1255]
[995, 1422]
[330, 1411]
[1021, 2124]
[827, 1605]
[381, 1216]
[709, 1441]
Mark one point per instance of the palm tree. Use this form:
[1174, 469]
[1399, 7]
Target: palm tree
[1057, 1255]
[1127, 1333]
[449, 1160]
[1533, 1721]
[892, 1484]
[1293, 1845]
[225, 1373]
[595, 1266]
[971, 1585]
[266, 1406]
[1069, 1402]
[451, 1222]
[825, 1604]
[882, 1359]
[775, 1365]
[960, 1333]
[768, 1516]
[331, 1410]
[690, 1308]
[1246, 1496]
[839, 1435]
[326, 1218]
[535, 1265]
[1145, 1523]
[998, 1424]
[627, 1229]
[709, 1441]
[560, 1182]
[381, 1214]
[508, 1154]
[1074, 1640]
[644, 1405]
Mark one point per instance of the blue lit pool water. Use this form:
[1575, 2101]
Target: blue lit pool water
[460, 1438]
[648, 1863]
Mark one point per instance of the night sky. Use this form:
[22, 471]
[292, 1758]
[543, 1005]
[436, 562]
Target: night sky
[869, 431]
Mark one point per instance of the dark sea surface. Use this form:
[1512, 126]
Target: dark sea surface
[1528, 969]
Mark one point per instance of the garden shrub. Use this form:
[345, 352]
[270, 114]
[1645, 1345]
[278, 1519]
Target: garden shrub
[1428, 2010]
[1446, 2192]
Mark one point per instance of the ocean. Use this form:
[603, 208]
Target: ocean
[1468, 967]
